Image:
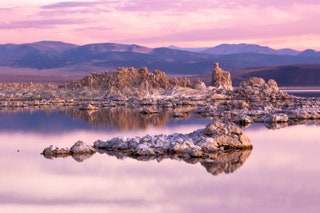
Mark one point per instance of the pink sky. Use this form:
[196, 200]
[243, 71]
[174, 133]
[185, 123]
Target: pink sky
[155, 23]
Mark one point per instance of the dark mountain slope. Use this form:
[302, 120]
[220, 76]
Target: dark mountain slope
[290, 75]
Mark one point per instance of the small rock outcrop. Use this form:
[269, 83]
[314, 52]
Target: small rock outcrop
[79, 151]
[199, 85]
[220, 78]
[256, 89]
[81, 148]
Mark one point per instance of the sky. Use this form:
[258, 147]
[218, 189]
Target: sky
[159, 23]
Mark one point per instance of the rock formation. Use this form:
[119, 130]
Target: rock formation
[220, 78]
[130, 81]
[256, 89]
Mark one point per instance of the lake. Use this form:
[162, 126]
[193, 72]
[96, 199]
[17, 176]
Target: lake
[280, 174]
[304, 92]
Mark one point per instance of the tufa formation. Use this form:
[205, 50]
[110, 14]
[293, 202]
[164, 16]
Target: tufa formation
[220, 78]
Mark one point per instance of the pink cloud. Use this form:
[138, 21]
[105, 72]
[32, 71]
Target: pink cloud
[165, 22]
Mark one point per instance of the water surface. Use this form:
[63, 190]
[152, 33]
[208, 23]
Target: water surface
[280, 174]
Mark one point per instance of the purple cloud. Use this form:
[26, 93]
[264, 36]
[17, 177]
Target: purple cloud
[70, 4]
[37, 23]
[76, 8]
[191, 5]
[4, 10]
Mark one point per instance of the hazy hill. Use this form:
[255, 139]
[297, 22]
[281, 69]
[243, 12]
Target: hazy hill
[287, 51]
[95, 49]
[229, 49]
[309, 53]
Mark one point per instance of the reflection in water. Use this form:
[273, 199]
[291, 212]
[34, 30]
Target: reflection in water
[281, 175]
[276, 125]
[215, 163]
[117, 118]
[77, 157]
[226, 162]
[81, 158]
[120, 118]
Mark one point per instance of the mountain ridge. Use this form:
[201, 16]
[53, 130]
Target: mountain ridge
[51, 56]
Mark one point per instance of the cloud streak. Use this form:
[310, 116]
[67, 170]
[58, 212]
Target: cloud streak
[36, 24]
[71, 4]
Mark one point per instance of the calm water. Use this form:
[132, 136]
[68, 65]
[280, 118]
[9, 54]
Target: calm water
[305, 93]
[280, 174]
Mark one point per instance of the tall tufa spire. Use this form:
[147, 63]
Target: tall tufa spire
[220, 78]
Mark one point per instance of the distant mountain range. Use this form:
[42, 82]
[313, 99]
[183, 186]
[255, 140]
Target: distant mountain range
[49, 55]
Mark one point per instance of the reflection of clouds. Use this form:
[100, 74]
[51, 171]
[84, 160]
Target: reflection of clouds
[118, 117]
[287, 147]
[290, 133]
[99, 181]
